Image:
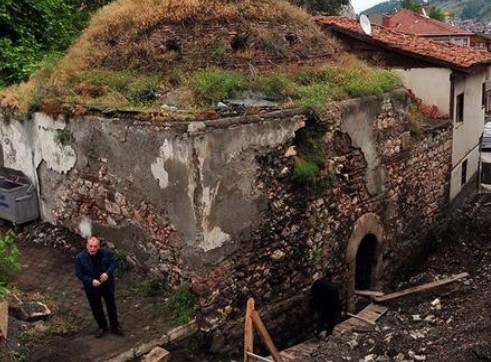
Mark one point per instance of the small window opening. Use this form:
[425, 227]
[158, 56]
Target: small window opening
[460, 108]
[463, 179]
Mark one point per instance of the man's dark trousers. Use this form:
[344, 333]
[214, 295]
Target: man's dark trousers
[95, 295]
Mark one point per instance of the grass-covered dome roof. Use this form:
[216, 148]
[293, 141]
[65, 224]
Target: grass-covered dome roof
[158, 36]
[184, 56]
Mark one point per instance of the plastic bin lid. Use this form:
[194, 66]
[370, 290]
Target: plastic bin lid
[14, 175]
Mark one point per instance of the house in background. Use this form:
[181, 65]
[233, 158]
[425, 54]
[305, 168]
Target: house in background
[487, 106]
[480, 42]
[447, 76]
[409, 22]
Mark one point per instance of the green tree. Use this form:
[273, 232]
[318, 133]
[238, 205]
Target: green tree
[411, 5]
[416, 6]
[32, 29]
[436, 13]
[326, 7]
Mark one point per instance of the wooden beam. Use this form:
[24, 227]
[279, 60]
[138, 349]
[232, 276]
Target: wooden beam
[369, 293]
[259, 358]
[361, 318]
[268, 341]
[421, 288]
[248, 332]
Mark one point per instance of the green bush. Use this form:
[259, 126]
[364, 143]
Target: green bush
[9, 260]
[213, 85]
[122, 264]
[305, 172]
[317, 95]
[372, 81]
[180, 306]
[152, 288]
[64, 137]
[275, 86]
[326, 7]
[31, 30]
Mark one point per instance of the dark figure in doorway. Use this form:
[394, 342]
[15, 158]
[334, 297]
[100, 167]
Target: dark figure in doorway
[325, 304]
[95, 268]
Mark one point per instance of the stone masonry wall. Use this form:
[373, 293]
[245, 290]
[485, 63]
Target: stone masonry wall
[213, 204]
[404, 181]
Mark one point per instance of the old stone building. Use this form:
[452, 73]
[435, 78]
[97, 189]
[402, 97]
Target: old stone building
[218, 203]
[213, 203]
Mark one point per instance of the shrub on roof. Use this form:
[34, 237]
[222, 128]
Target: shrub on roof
[326, 7]
[213, 85]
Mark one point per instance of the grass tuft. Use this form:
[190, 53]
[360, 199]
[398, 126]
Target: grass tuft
[180, 308]
[213, 85]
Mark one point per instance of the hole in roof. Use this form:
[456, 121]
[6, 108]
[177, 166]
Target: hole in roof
[172, 45]
[239, 41]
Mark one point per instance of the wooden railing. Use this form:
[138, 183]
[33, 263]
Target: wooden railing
[253, 321]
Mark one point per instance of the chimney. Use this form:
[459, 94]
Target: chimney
[386, 21]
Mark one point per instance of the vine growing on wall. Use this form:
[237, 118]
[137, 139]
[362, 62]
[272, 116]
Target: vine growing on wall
[310, 170]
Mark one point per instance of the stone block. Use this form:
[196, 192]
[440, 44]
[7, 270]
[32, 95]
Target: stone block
[183, 332]
[158, 354]
[30, 312]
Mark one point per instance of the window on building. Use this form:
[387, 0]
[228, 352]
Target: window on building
[483, 94]
[463, 179]
[459, 108]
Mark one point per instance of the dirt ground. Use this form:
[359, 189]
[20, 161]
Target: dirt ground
[454, 328]
[47, 276]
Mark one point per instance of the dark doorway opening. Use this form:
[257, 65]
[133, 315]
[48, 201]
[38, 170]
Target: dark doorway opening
[365, 262]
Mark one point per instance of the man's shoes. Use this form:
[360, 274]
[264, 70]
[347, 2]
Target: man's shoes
[100, 332]
[117, 330]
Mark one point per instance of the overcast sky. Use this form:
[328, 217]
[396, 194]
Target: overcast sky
[361, 5]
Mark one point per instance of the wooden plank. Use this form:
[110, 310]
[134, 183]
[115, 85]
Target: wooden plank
[300, 351]
[359, 322]
[421, 288]
[4, 318]
[268, 341]
[259, 358]
[248, 331]
[369, 293]
[361, 318]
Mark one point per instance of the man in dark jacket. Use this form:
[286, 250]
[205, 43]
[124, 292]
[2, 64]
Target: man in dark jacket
[325, 303]
[95, 268]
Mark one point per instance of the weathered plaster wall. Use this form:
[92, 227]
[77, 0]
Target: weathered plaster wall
[432, 85]
[212, 203]
[145, 186]
[467, 134]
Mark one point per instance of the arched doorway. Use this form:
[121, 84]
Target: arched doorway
[364, 255]
[366, 262]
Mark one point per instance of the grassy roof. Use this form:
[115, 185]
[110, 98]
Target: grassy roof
[160, 35]
[189, 54]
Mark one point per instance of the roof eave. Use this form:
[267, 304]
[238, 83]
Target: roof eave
[415, 55]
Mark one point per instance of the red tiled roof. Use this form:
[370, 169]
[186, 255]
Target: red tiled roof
[452, 56]
[407, 21]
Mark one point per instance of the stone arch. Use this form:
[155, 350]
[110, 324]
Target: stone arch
[368, 225]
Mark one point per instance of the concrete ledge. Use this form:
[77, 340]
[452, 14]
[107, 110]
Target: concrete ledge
[174, 335]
